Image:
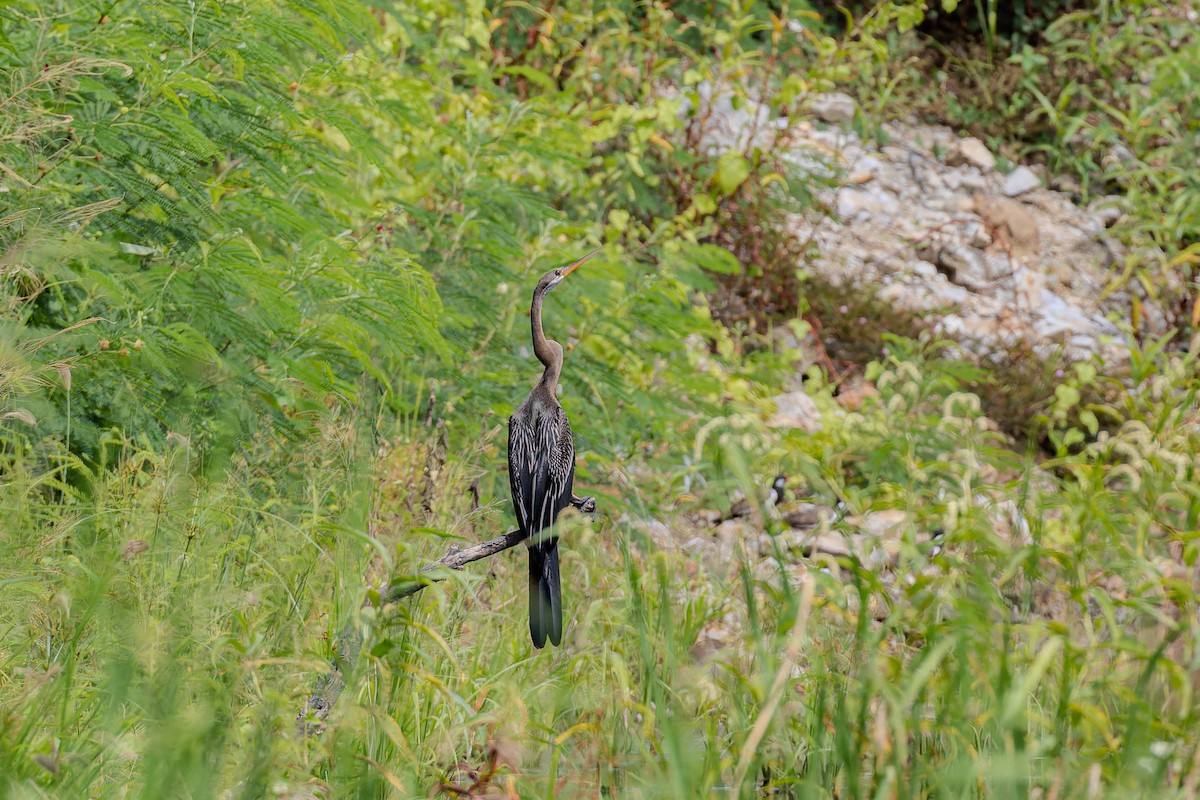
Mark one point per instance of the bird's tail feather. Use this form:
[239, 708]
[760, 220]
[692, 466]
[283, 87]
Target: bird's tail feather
[545, 595]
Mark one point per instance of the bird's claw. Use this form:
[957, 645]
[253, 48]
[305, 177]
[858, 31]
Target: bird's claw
[585, 504]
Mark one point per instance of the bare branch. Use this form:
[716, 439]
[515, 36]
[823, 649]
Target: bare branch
[329, 686]
[457, 558]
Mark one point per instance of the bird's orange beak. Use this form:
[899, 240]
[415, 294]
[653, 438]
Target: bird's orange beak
[575, 266]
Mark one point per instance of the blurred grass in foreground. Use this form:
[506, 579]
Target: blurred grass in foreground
[159, 639]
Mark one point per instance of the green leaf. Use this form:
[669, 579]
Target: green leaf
[530, 74]
[704, 203]
[618, 218]
[732, 171]
[1066, 397]
[712, 258]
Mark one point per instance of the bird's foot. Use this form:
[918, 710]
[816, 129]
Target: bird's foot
[585, 504]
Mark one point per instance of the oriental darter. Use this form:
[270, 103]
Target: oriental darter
[541, 471]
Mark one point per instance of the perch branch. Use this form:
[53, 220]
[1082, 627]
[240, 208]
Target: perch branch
[459, 557]
[329, 686]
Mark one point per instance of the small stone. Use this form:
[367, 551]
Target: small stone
[957, 204]
[1067, 184]
[1118, 154]
[979, 236]
[1021, 180]
[829, 543]
[658, 532]
[832, 107]
[1014, 225]
[973, 181]
[894, 185]
[1028, 285]
[1106, 210]
[851, 397]
[887, 524]
[971, 151]
[867, 163]
[796, 410]
[1059, 318]
[859, 177]
[962, 265]
[731, 533]
[922, 269]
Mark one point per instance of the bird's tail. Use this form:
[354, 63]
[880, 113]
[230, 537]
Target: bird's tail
[545, 594]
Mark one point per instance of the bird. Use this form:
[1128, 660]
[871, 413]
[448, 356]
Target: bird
[541, 470]
[776, 495]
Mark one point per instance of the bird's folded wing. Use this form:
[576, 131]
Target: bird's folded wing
[541, 468]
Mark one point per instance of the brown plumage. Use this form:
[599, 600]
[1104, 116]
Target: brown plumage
[541, 471]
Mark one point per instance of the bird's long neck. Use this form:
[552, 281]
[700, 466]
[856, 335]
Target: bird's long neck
[547, 352]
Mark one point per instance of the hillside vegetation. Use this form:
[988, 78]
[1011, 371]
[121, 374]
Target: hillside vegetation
[265, 268]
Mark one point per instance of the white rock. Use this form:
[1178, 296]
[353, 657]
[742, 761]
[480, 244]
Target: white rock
[832, 107]
[971, 151]
[863, 203]
[1038, 280]
[1118, 153]
[796, 410]
[884, 524]
[955, 204]
[1021, 180]
[1058, 317]
[749, 124]
[658, 531]
[946, 292]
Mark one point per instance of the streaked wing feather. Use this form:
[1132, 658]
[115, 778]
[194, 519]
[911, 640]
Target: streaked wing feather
[541, 466]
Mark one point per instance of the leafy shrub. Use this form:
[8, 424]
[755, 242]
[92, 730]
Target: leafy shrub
[181, 188]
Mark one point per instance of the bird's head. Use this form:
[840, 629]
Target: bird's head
[555, 276]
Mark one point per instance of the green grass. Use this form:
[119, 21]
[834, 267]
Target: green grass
[160, 634]
[212, 449]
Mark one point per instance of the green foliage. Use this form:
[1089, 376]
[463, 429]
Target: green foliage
[1127, 123]
[253, 249]
[178, 218]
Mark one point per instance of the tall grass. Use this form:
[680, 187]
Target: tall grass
[159, 636]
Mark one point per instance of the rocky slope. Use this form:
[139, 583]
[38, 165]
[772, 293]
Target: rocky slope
[989, 256]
